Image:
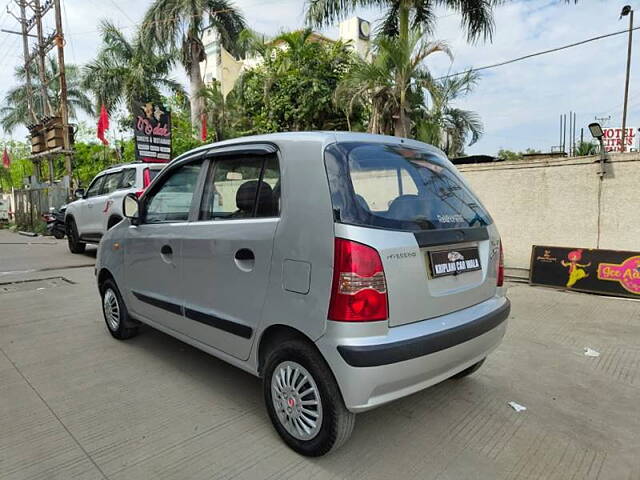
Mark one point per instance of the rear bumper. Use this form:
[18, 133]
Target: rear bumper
[374, 364]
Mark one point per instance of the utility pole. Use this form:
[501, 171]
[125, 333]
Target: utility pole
[626, 10]
[64, 111]
[37, 11]
[50, 133]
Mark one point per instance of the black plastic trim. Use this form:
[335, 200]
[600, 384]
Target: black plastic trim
[219, 323]
[197, 316]
[432, 238]
[385, 354]
[156, 302]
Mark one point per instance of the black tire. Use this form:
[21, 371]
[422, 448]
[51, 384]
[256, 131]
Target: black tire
[468, 371]
[337, 422]
[113, 221]
[58, 234]
[126, 327]
[73, 239]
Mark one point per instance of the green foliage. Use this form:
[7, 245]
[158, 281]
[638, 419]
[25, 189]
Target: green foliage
[15, 111]
[585, 148]
[293, 88]
[508, 155]
[402, 15]
[20, 168]
[125, 71]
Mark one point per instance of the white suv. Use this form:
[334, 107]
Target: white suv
[98, 208]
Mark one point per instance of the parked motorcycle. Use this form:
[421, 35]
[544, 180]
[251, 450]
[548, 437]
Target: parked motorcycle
[55, 222]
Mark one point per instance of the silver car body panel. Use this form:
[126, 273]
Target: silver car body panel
[291, 286]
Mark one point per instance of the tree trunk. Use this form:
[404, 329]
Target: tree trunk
[403, 20]
[196, 84]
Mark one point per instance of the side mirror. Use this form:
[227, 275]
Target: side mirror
[79, 193]
[130, 207]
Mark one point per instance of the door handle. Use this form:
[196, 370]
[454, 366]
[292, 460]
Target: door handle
[245, 254]
[166, 250]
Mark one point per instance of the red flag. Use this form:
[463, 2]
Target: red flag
[203, 131]
[103, 124]
[6, 161]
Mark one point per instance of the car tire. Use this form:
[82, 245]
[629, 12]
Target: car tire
[468, 371]
[115, 312]
[73, 239]
[333, 422]
[58, 235]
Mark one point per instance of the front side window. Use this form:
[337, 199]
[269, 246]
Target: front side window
[242, 187]
[95, 187]
[171, 199]
[398, 187]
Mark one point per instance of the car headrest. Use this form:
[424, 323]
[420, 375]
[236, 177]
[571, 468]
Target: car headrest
[246, 196]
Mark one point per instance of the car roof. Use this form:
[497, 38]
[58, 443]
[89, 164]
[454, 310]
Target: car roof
[323, 138]
[122, 166]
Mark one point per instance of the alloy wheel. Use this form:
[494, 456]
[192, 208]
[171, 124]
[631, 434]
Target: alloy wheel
[296, 400]
[111, 309]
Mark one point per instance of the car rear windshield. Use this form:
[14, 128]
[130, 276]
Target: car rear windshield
[398, 187]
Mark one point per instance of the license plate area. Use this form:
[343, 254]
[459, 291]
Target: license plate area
[454, 261]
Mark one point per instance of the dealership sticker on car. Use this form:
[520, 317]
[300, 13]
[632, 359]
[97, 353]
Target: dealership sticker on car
[454, 261]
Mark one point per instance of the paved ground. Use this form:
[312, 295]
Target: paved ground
[74, 403]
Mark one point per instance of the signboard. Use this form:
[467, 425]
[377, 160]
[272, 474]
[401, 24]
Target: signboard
[152, 131]
[611, 272]
[613, 139]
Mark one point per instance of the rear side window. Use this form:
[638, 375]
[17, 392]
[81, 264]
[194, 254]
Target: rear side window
[128, 178]
[242, 187]
[397, 187]
[111, 183]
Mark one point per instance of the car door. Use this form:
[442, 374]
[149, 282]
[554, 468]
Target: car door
[85, 211]
[227, 252]
[103, 203]
[153, 261]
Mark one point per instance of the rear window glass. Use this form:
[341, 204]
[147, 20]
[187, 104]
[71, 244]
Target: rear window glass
[153, 173]
[397, 187]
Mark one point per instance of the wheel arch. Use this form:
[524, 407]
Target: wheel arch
[103, 275]
[275, 334]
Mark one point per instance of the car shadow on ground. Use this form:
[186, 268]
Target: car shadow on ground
[376, 431]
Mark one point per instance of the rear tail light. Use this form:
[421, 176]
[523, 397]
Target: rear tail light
[146, 180]
[501, 267]
[359, 291]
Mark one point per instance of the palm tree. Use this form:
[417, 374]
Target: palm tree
[15, 109]
[125, 71]
[444, 125]
[177, 24]
[403, 15]
[390, 84]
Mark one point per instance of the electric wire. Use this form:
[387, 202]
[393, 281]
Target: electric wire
[537, 54]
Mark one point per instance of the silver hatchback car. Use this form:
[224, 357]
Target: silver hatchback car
[347, 270]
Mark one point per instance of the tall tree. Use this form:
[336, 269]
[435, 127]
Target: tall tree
[391, 83]
[126, 71]
[14, 110]
[442, 123]
[403, 15]
[292, 88]
[177, 24]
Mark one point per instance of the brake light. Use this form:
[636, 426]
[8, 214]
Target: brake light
[146, 178]
[359, 290]
[501, 267]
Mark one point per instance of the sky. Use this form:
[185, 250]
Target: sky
[520, 104]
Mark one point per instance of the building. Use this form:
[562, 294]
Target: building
[220, 65]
